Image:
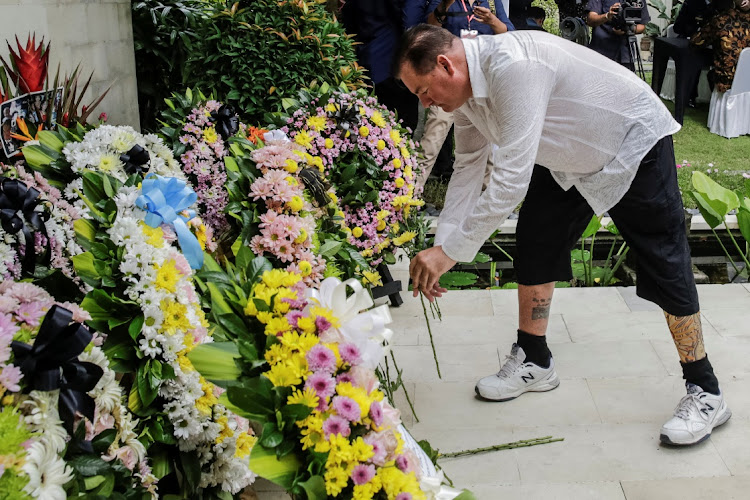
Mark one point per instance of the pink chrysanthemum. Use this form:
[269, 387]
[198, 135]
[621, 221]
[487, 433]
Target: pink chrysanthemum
[350, 353]
[376, 413]
[336, 425]
[402, 462]
[347, 408]
[321, 358]
[405, 495]
[322, 383]
[345, 377]
[322, 324]
[363, 474]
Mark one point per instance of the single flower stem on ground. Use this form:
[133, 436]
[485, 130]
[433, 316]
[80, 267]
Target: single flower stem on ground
[506, 446]
[502, 251]
[429, 330]
[401, 382]
[737, 246]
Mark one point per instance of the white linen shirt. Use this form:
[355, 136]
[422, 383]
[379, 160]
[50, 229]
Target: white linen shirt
[542, 99]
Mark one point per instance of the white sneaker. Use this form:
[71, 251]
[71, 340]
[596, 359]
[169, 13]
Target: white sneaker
[516, 377]
[695, 417]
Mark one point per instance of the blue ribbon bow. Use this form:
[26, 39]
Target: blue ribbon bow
[166, 201]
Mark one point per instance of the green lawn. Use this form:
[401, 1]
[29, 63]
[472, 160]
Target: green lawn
[694, 146]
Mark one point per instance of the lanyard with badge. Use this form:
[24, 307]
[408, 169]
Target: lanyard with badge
[469, 33]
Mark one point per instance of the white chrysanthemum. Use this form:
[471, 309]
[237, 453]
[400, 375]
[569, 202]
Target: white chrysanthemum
[43, 419]
[107, 392]
[47, 472]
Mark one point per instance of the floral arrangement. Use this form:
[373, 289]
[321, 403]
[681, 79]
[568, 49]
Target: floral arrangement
[41, 455]
[57, 236]
[198, 128]
[147, 304]
[307, 379]
[370, 160]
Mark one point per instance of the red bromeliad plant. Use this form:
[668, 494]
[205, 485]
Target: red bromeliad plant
[28, 68]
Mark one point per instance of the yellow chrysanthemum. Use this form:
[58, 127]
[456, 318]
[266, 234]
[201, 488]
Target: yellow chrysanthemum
[362, 451]
[303, 139]
[245, 443]
[399, 182]
[306, 324]
[305, 267]
[408, 173]
[225, 431]
[291, 166]
[154, 235]
[378, 119]
[175, 317]
[301, 237]
[381, 225]
[380, 145]
[206, 402]
[357, 232]
[167, 276]
[277, 353]
[296, 204]
[283, 375]
[264, 316]
[302, 342]
[185, 364]
[317, 123]
[364, 131]
[395, 137]
[364, 491]
[405, 152]
[250, 309]
[291, 180]
[210, 135]
[336, 480]
[372, 278]
[406, 237]
[330, 107]
[277, 278]
[308, 397]
[317, 161]
[277, 326]
[328, 143]
[281, 306]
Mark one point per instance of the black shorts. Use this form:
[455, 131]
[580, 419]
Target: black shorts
[650, 217]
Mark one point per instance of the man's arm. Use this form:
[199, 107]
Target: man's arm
[519, 96]
[436, 10]
[595, 18]
[413, 12]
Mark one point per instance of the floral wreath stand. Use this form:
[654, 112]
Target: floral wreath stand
[390, 287]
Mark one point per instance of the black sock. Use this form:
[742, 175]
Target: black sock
[535, 348]
[701, 373]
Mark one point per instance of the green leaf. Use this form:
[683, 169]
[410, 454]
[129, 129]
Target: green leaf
[279, 471]
[454, 279]
[743, 219]
[480, 258]
[712, 217]
[578, 255]
[466, 495]
[51, 140]
[191, 470]
[216, 362]
[594, 224]
[146, 392]
[85, 232]
[258, 266]
[254, 398]
[330, 247]
[89, 465]
[232, 324]
[295, 412]
[92, 482]
[721, 199]
[271, 437]
[315, 488]
[135, 326]
[84, 265]
[37, 157]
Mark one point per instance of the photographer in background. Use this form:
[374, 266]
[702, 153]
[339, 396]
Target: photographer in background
[610, 35]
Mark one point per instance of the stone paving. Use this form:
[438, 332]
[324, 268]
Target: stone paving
[620, 380]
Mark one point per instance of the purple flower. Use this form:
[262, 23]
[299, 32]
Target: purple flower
[376, 413]
[402, 462]
[322, 383]
[345, 377]
[10, 376]
[30, 313]
[322, 324]
[403, 496]
[321, 358]
[350, 353]
[363, 474]
[347, 408]
[336, 425]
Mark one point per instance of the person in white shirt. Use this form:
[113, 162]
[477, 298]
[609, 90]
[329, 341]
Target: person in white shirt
[575, 134]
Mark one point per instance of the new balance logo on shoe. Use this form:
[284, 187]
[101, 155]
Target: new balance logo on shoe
[706, 408]
[527, 377]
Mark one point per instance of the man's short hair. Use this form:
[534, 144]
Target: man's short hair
[537, 13]
[420, 47]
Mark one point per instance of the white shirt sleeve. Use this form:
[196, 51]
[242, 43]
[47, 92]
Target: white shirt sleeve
[513, 119]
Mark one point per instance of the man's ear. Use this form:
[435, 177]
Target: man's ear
[445, 62]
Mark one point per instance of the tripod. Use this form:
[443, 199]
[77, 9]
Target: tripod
[635, 53]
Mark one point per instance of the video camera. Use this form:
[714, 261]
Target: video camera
[628, 16]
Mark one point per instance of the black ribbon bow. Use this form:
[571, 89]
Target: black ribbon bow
[226, 121]
[135, 159]
[316, 184]
[52, 363]
[17, 204]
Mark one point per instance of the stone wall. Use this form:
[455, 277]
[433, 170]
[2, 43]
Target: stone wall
[96, 33]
